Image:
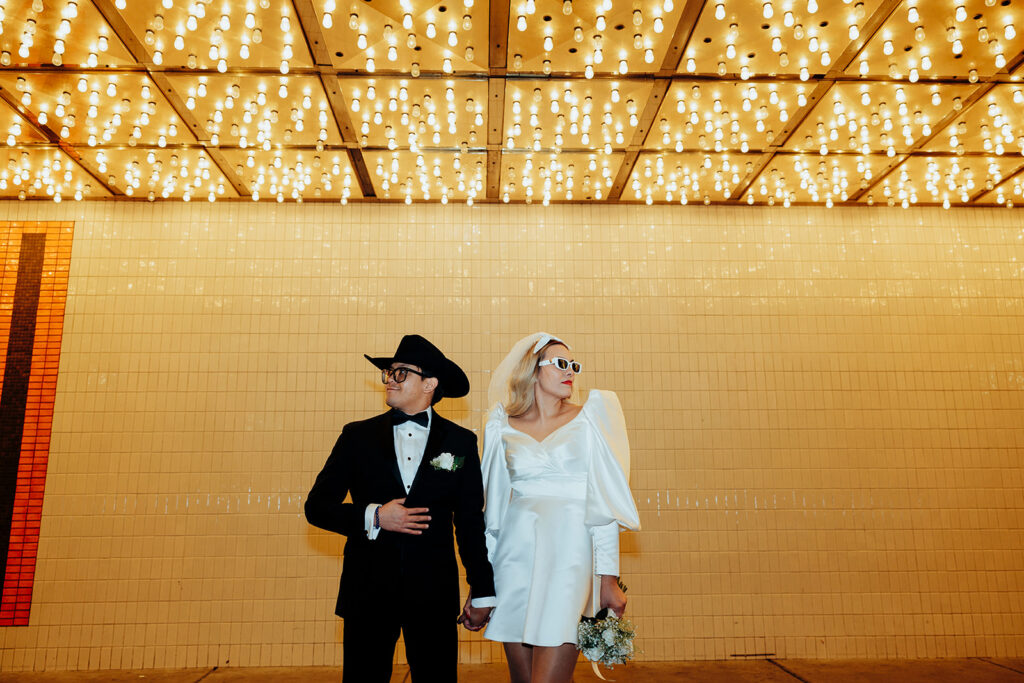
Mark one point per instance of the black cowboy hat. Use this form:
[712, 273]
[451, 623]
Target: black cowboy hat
[415, 350]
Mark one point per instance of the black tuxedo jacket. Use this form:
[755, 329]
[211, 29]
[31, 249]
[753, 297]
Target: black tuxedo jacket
[401, 571]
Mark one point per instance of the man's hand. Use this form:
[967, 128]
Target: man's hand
[474, 618]
[394, 516]
[612, 596]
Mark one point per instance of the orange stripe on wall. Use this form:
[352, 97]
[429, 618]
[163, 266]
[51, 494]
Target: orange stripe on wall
[19, 570]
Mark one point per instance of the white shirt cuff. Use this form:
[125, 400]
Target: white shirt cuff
[606, 549]
[371, 532]
[484, 602]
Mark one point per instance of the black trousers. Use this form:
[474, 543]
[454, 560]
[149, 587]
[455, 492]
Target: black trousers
[431, 647]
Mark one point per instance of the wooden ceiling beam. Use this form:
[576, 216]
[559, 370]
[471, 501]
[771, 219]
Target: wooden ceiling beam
[643, 129]
[355, 156]
[163, 83]
[681, 38]
[755, 172]
[54, 140]
[622, 177]
[497, 58]
[495, 128]
[124, 32]
[317, 44]
[138, 50]
[312, 33]
[984, 191]
[339, 108]
[918, 146]
[871, 27]
[497, 68]
[217, 156]
[782, 138]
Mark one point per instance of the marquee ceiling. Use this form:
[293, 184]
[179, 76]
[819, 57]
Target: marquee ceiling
[892, 102]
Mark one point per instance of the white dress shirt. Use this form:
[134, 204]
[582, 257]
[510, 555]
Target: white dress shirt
[410, 442]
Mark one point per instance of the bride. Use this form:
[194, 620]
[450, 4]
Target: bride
[556, 492]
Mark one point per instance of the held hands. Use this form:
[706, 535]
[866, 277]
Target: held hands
[474, 618]
[394, 516]
[612, 596]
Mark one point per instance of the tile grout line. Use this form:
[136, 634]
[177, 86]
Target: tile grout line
[1001, 666]
[797, 677]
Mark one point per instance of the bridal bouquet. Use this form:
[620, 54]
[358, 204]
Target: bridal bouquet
[606, 639]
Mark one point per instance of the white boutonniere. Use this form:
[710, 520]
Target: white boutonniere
[447, 462]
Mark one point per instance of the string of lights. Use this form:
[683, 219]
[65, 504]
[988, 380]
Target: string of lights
[749, 102]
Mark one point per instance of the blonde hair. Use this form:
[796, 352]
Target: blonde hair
[523, 382]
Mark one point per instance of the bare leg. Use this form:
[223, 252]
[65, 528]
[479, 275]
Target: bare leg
[554, 664]
[520, 661]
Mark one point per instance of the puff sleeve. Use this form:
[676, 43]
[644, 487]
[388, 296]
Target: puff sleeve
[610, 504]
[497, 486]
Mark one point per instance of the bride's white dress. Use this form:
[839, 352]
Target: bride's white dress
[553, 512]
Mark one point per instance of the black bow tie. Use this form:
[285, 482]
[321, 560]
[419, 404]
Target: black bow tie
[398, 417]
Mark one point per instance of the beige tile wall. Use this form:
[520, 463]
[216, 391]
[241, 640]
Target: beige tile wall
[826, 410]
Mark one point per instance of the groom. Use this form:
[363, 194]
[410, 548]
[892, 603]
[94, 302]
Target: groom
[411, 473]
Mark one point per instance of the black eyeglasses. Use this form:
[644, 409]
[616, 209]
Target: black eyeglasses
[398, 374]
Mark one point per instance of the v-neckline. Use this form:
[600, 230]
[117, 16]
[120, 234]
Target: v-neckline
[541, 442]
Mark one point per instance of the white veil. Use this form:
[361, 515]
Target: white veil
[497, 390]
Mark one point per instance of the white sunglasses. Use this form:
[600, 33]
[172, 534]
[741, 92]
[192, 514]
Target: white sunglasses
[562, 364]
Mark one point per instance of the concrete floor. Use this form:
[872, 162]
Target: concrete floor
[974, 670]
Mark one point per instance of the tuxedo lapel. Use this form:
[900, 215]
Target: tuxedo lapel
[438, 430]
[386, 438]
